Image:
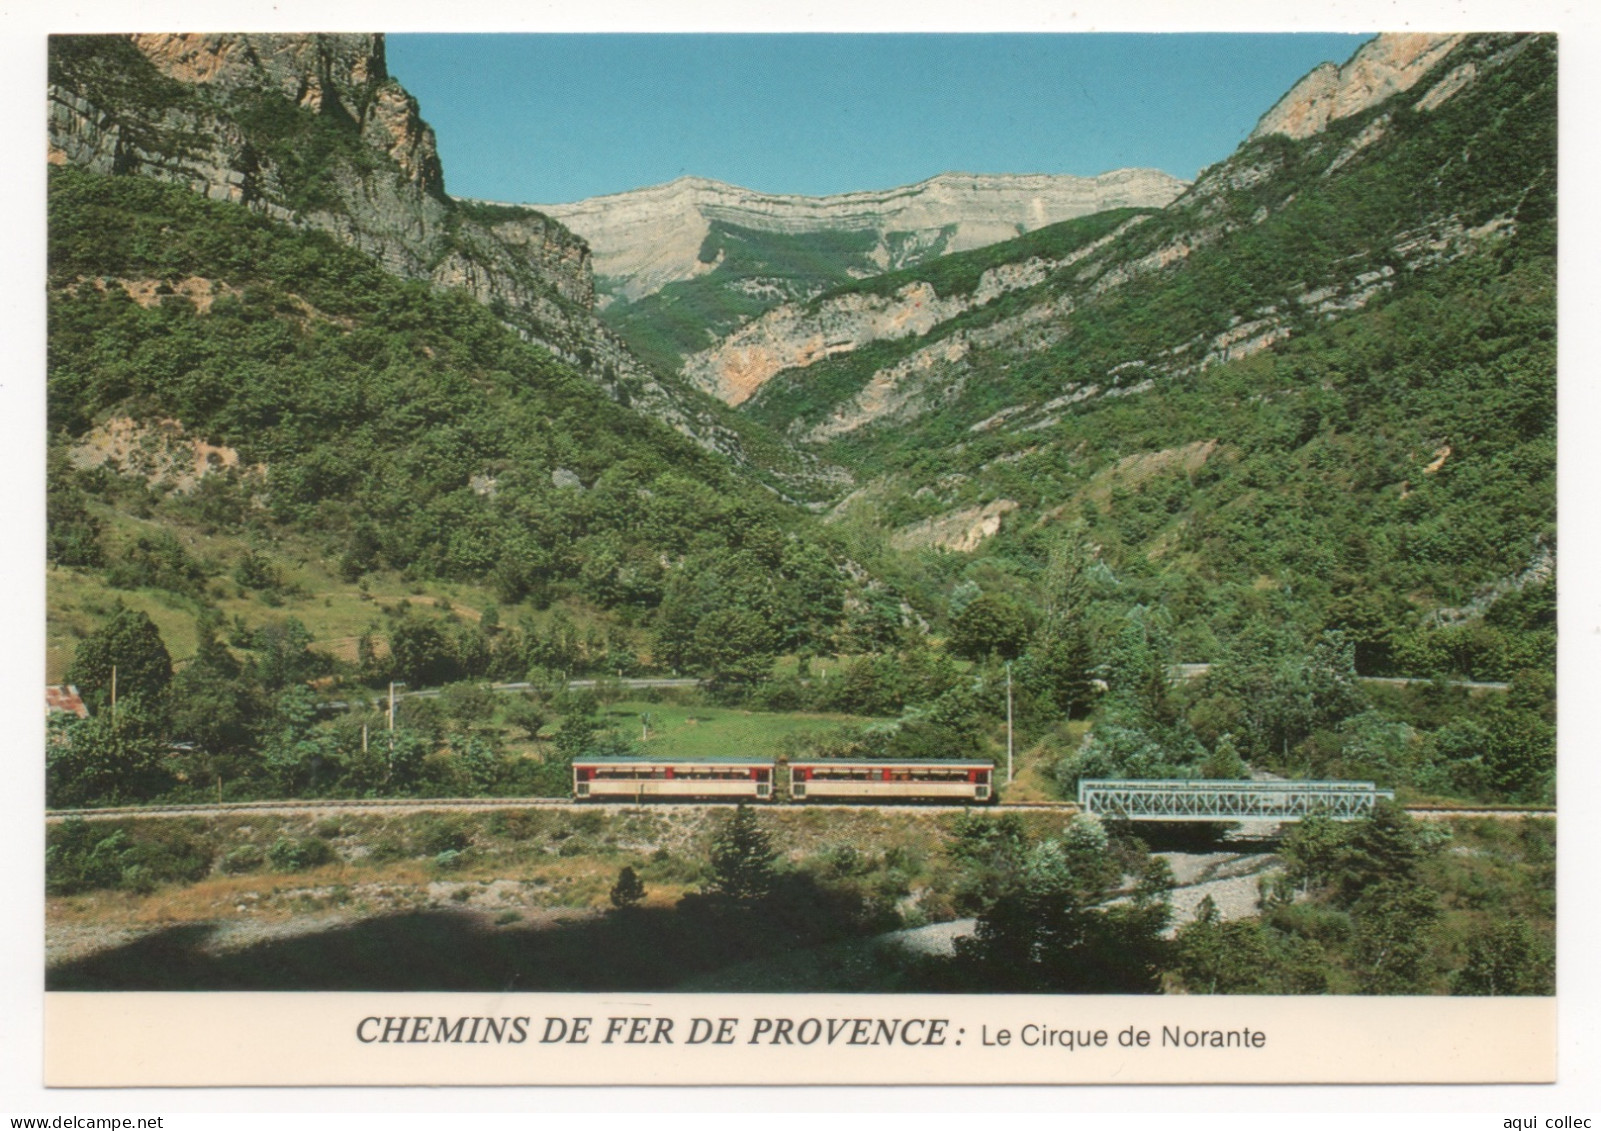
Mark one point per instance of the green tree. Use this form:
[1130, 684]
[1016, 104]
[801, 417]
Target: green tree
[419, 653]
[469, 704]
[294, 752]
[990, 853]
[1138, 661]
[1060, 659]
[1506, 959]
[1057, 930]
[743, 860]
[990, 625]
[1245, 956]
[1520, 753]
[130, 643]
[213, 704]
[480, 763]
[106, 759]
[734, 647]
[1392, 926]
[284, 656]
[72, 533]
[1372, 870]
[525, 713]
[628, 890]
[1224, 762]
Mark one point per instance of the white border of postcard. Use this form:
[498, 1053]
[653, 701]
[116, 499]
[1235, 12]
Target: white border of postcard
[21, 409]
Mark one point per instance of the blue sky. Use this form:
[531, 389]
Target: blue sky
[555, 118]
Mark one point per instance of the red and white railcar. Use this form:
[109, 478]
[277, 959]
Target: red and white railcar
[683, 779]
[835, 779]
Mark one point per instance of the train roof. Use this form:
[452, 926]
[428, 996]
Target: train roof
[656, 760]
[746, 760]
[891, 762]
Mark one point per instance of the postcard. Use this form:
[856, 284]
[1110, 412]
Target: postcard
[720, 559]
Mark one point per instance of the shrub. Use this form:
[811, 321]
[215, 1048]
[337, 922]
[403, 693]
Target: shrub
[449, 860]
[299, 855]
[81, 857]
[137, 878]
[387, 848]
[245, 858]
[437, 836]
[665, 868]
[515, 824]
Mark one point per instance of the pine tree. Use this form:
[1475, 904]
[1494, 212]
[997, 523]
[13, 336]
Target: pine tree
[742, 859]
[628, 890]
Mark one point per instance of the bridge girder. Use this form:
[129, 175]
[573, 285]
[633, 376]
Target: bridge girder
[1190, 800]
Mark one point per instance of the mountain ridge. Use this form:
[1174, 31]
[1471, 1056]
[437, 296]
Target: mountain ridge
[313, 132]
[1298, 425]
[643, 239]
[1227, 199]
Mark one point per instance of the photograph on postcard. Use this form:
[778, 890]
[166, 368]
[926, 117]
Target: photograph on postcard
[795, 515]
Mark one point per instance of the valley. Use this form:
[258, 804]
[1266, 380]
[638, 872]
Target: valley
[1250, 476]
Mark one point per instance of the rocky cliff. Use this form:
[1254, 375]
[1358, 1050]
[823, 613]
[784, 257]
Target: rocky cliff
[1283, 202]
[1385, 65]
[647, 238]
[312, 131]
[797, 335]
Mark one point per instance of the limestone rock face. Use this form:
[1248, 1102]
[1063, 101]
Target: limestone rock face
[797, 335]
[647, 238]
[206, 112]
[1385, 65]
[296, 65]
[199, 129]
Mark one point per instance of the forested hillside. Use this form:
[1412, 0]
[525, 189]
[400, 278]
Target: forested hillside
[1299, 426]
[1319, 388]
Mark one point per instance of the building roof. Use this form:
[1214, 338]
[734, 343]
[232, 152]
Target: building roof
[64, 697]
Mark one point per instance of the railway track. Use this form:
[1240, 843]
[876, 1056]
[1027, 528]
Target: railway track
[468, 804]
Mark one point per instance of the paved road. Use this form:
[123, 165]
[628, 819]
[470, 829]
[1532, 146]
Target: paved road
[1471, 684]
[507, 688]
[1196, 671]
[1178, 672]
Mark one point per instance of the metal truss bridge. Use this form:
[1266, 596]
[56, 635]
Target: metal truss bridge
[1190, 800]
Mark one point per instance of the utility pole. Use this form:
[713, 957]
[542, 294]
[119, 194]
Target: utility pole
[1008, 722]
[113, 691]
[391, 726]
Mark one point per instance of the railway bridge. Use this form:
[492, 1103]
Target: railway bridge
[1190, 800]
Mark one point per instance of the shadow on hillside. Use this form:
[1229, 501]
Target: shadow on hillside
[637, 949]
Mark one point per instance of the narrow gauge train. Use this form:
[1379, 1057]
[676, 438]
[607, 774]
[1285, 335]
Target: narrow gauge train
[653, 779]
[751, 779]
[898, 780]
